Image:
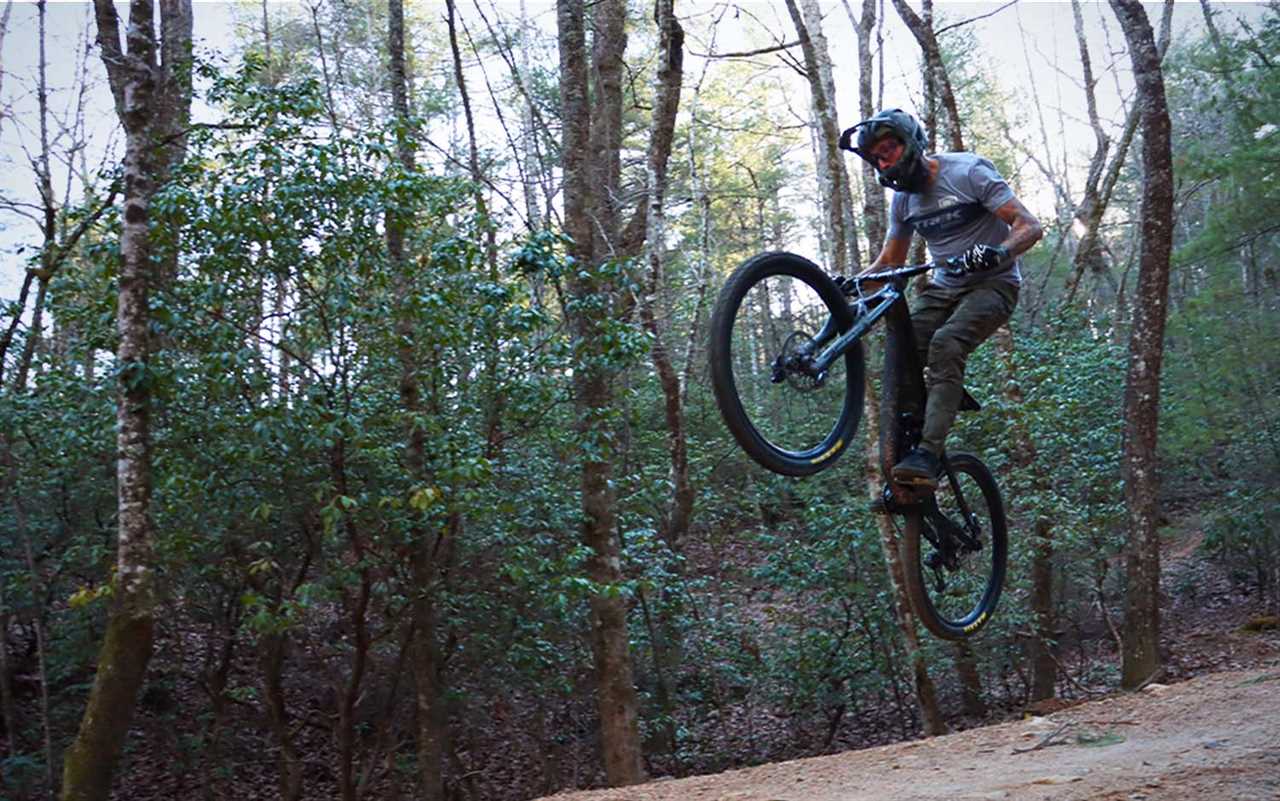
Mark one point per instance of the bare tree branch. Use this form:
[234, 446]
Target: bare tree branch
[748, 53]
[955, 25]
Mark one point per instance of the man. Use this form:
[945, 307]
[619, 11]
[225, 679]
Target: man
[965, 211]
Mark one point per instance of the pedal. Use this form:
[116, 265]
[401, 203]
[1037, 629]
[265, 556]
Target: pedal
[878, 507]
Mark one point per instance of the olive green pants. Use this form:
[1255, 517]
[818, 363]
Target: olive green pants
[949, 324]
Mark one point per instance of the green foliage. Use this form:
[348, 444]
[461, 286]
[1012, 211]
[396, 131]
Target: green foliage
[1072, 385]
[1244, 534]
[822, 648]
[1218, 419]
[287, 493]
[279, 467]
[1224, 102]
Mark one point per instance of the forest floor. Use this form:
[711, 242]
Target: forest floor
[1213, 738]
[1212, 732]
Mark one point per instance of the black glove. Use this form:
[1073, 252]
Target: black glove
[980, 258]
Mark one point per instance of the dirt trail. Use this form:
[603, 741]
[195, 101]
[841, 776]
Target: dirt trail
[1214, 738]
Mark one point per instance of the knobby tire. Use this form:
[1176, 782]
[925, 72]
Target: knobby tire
[735, 368]
[983, 495]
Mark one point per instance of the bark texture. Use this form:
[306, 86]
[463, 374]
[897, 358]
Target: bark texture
[936, 79]
[1090, 257]
[876, 413]
[874, 209]
[654, 313]
[150, 83]
[836, 197]
[666, 103]
[431, 722]
[1044, 667]
[1141, 657]
[591, 102]
[1088, 214]
[272, 650]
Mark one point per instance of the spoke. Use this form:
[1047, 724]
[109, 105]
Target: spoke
[959, 565]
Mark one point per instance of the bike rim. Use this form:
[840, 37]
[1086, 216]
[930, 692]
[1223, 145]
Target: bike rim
[961, 585]
[801, 415]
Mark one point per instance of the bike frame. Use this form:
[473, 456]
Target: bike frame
[903, 391]
[874, 306]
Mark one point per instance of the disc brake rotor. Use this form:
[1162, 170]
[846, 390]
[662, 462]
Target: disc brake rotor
[797, 356]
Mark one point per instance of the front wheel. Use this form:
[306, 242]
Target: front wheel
[954, 551]
[772, 316]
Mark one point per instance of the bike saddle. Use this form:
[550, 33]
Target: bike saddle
[968, 403]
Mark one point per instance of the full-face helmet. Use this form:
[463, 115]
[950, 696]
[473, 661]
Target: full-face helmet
[909, 173]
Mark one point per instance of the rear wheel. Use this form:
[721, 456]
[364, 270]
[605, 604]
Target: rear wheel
[790, 418]
[954, 551]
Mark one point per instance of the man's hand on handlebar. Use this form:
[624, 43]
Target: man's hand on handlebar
[979, 258]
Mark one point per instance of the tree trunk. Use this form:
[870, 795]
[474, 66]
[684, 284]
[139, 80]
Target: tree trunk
[1088, 214]
[431, 722]
[591, 162]
[970, 680]
[834, 176]
[8, 711]
[122, 663]
[702, 202]
[49, 210]
[151, 85]
[1100, 182]
[1141, 656]
[616, 696]
[935, 69]
[878, 409]
[936, 83]
[533, 182]
[664, 637]
[666, 102]
[926, 693]
[214, 676]
[6, 341]
[355, 601]
[874, 213]
[1212, 27]
[1044, 668]
[271, 657]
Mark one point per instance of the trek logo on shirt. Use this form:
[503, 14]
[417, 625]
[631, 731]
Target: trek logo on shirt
[950, 216]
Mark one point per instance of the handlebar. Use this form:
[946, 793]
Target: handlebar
[908, 270]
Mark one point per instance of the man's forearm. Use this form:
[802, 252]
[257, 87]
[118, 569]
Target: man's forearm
[1022, 235]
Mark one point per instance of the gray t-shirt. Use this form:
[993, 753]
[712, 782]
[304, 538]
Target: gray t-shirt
[956, 213]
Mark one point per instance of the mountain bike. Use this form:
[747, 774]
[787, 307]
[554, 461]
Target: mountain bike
[787, 368]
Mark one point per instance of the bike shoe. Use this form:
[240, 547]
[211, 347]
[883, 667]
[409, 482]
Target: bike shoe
[920, 469]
